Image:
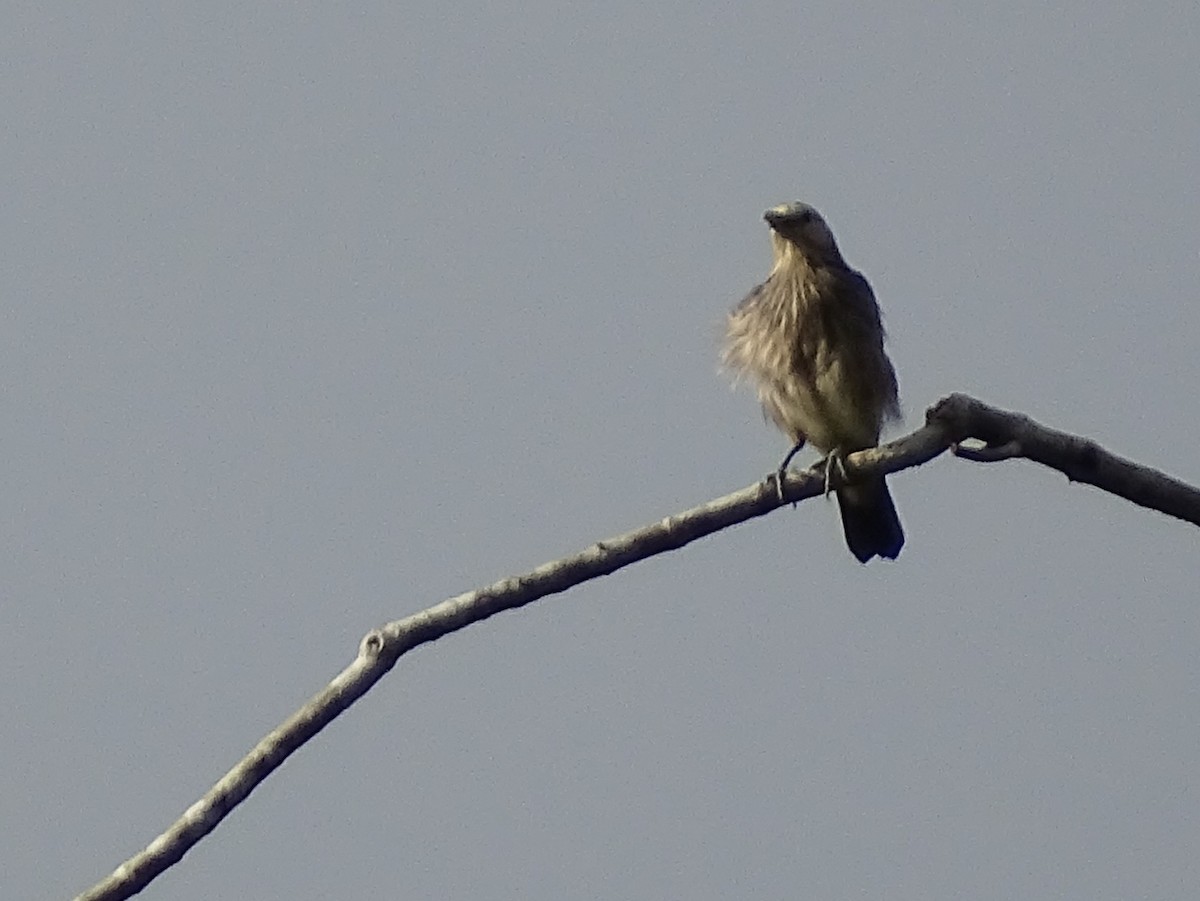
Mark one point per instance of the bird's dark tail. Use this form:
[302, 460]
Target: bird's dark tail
[869, 520]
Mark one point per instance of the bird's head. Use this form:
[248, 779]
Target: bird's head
[799, 224]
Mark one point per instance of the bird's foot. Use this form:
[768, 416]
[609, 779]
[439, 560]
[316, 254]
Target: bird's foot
[777, 478]
[782, 470]
[833, 460]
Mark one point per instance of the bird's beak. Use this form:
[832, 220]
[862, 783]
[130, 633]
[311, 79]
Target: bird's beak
[776, 217]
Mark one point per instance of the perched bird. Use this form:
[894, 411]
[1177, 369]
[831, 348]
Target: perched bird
[811, 339]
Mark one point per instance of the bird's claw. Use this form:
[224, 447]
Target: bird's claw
[781, 472]
[777, 476]
[833, 460]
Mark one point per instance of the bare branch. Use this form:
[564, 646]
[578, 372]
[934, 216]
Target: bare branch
[986, 453]
[948, 423]
[1008, 434]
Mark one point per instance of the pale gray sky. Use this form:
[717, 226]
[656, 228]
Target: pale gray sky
[316, 315]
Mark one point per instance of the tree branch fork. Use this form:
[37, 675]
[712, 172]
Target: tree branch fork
[951, 423]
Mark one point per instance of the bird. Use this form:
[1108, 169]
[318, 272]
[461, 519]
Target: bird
[811, 338]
